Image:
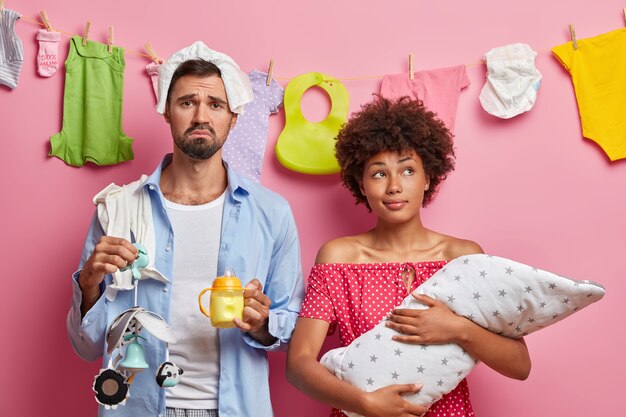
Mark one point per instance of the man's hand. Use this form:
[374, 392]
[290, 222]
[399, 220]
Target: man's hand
[255, 313]
[109, 255]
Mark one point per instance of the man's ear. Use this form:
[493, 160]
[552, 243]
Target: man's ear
[166, 113]
[233, 121]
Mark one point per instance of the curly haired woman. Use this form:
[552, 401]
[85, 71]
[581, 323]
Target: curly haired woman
[393, 157]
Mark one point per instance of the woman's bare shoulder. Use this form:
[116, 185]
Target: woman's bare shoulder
[456, 247]
[340, 250]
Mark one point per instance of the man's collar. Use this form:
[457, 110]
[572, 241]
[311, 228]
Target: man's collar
[235, 182]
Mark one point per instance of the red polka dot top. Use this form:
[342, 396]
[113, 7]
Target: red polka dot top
[356, 297]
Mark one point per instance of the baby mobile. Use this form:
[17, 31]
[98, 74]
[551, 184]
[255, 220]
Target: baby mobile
[112, 384]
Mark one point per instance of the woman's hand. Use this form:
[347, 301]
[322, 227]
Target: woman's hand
[390, 402]
[435, 325]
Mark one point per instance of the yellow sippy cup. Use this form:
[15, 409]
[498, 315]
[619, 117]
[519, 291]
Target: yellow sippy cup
[226, 301]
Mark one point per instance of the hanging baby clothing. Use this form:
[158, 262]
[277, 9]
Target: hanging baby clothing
[512, 81]
[11, 49]
[48, 54]
[597, 70]
[153, 72]
[439, 90]
[245, 147]
[92, 107]
[305, 146]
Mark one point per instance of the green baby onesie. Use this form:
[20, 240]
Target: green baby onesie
[92, 107]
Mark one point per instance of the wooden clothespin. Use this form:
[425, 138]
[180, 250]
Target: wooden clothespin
[45, 20]
[572, 34]
[411, 69]
[624, 10]
[86, 34]
[153, 54]
[268, 80]
[110, 43]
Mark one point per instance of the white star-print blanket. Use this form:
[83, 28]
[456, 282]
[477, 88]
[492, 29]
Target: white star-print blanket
[501, 295]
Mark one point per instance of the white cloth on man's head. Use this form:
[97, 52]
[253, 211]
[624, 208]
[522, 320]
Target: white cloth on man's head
[236, 82]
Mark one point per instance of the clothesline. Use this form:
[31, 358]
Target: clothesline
[71, 35]
[364, 77]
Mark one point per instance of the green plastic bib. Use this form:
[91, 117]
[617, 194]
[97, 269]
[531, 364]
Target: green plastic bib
[308, 147]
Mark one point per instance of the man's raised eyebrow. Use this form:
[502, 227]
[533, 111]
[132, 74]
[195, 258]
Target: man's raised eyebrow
[187, 97]
[195, 95]
[218, 99]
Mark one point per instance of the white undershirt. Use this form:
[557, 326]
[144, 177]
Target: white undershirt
[197, 231]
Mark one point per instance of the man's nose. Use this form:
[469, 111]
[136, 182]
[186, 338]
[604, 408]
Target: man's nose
[202, 114]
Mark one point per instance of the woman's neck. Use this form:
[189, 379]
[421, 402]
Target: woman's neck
[399, 243]
[397, 236]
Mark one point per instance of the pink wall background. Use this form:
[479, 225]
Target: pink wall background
[530, 188]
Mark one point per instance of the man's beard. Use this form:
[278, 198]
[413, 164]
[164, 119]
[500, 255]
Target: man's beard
[199, 148]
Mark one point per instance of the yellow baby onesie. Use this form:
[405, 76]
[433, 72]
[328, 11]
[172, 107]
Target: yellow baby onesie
[597, 69]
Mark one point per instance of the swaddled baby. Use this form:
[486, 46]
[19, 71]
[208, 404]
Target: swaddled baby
[501, 295]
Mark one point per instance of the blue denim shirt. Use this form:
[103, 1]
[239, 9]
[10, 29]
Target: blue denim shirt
[259, 240]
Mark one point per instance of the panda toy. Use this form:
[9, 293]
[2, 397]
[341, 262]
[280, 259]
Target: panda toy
[168, 375]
